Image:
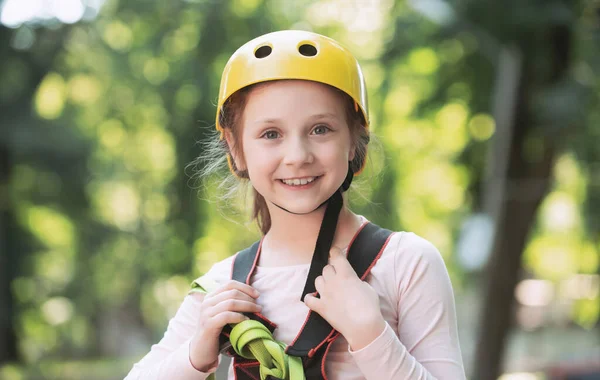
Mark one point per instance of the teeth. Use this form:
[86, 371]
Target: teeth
[298, 181]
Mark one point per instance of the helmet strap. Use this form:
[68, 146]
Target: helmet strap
[326, 232]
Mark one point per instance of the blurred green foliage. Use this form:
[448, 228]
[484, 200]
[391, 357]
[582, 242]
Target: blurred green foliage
[103, 126]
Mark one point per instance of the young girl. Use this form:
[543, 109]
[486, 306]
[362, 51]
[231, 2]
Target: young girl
[343, 298]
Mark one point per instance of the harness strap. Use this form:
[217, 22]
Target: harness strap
[245, 263]
[252, 340]
[363, 253]
[323, 245]
[257, 355]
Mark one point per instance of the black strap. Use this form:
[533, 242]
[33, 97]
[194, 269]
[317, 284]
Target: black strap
[243, 267]
[366, 248]
[244, 263]
[362, 254]
[324, 240]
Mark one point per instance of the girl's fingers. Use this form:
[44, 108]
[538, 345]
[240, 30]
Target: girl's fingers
[313, 303]
[340, 263]
[218, 321]
[234, 285]
[234, 306]
[328, 271]
[228, 294]
[319, 284]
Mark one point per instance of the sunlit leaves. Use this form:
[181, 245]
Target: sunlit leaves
[451, 136]
[11, 372]
[84, 89]
[482, 127]
[112, 135]
[118, 35]
[423, 61]
[49, 226]
[50, 97]
[570, 178]
[57, 310]
[359, 26]
[117, 203]
[156, 70]
[400, 102]
[55, 270]
[244, 8]
[37, 338]
[187, 97]
[152, 149]
[168, 293]
[451, 51]
[122, 96]
[553, 257]
[559, 212]
[181, 41]
[589, 258]
[587, 311]
[156, 208]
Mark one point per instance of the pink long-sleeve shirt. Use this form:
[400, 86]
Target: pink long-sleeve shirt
[420, 340]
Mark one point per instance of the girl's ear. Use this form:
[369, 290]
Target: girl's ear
[237, 161]
[352, 152]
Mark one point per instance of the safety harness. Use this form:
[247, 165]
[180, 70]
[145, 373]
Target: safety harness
[256, 355]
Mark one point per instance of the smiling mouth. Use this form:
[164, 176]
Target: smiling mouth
[299, 181]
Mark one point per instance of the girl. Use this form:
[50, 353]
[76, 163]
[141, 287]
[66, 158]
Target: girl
[361, 302]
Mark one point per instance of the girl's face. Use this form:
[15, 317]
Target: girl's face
[296, 143]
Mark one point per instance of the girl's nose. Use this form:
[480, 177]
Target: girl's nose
[297, 152]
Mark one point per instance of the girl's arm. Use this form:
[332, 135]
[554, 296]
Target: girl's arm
[427, 346]
[170, 358]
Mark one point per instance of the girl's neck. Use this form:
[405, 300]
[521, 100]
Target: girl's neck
[291, 239]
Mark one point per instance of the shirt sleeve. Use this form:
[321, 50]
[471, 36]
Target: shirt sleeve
[427, 345]
[170, 358]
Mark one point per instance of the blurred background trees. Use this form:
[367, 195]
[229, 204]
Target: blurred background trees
[486, 113]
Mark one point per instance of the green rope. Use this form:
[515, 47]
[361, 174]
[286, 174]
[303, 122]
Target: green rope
[252, 340]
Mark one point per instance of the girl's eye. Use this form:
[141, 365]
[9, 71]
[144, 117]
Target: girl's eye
[321, 129]
[270, 135]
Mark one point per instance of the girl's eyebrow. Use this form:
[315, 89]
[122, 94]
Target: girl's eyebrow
[317, 116]
[324, 115]
[266, 121]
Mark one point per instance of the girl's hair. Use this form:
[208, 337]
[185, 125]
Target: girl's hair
[217, 151]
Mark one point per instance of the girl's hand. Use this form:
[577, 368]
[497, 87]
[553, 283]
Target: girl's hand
[220, 307]
[350, 305]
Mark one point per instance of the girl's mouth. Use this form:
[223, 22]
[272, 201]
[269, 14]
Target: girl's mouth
[300, 183]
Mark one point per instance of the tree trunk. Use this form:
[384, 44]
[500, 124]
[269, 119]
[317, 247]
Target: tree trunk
[8, 338]
[526, 185]
[14, 119]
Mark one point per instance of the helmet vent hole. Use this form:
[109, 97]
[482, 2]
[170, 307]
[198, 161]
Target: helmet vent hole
[263, 51]
[307, 50]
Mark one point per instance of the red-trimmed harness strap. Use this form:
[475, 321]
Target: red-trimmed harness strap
[316, 337]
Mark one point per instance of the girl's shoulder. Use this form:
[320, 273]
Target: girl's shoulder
[406, 250]
[407, 245]
[220, 272]
[410, 244]
[409, 259]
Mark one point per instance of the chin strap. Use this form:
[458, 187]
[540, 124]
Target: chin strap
[326, 232]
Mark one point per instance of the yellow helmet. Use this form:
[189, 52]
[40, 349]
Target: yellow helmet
[294, 54]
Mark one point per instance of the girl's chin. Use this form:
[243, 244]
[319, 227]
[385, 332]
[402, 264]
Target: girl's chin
[298, 207]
